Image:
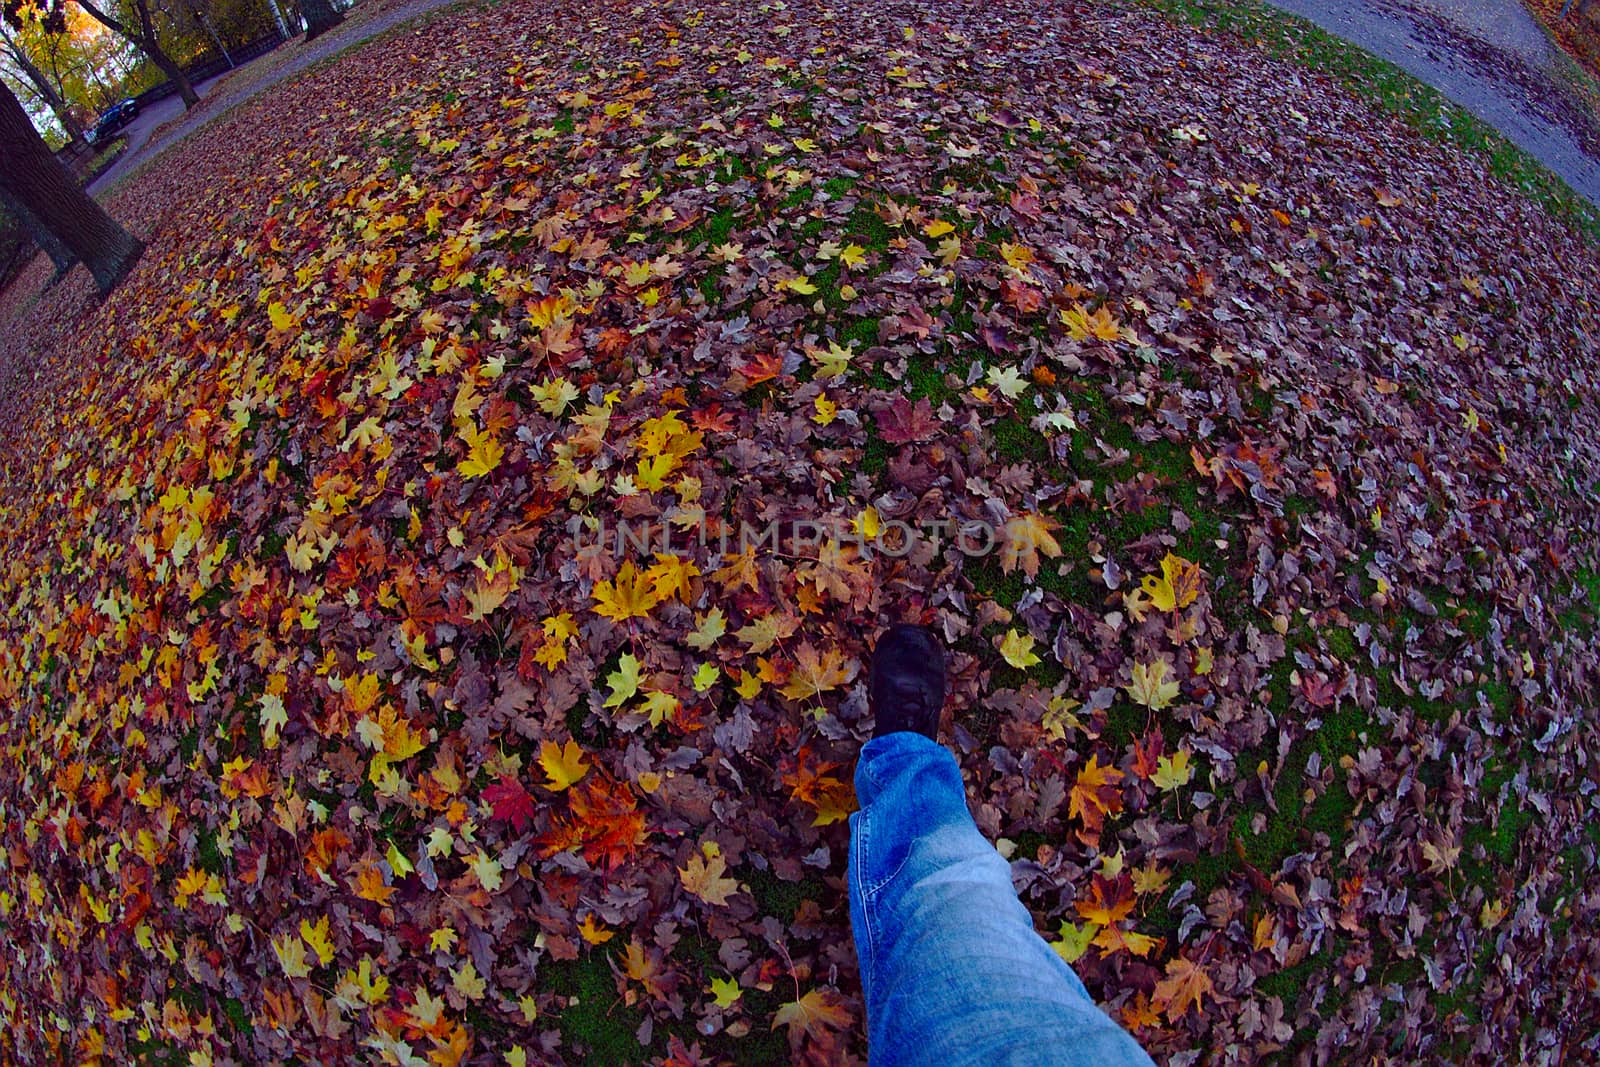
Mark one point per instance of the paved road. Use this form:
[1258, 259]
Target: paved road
[1490, 57]
[360, 25]
[152, 115]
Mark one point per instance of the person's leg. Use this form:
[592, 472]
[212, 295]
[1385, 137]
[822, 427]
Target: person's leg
[953, 971]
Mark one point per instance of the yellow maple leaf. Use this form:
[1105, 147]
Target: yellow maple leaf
[1074, 940]
[592, 932]
[938, 228]
[1173, 771]
[369, 886]
[316, 935]
[466, 980]
[1018, 257]
[1094, 794]
[833, 361]
[630, 596]
[672, 576]
[660, 706]
[291, 953]
[724, 991]
[703, 876]
[852, 256]
[1023, 539]
[281, 319]
[1114, 938]
[708, 629]
[1082, 324]
[801, 285]
[1017, 650]
[484, 453]
[815, 673]
[1178, 585]
[1150, 685]
[564, 765]
[624, 681]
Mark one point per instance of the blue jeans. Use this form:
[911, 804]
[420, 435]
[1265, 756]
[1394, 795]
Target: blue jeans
[953, 971]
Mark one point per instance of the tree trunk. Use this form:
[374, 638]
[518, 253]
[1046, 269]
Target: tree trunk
[174, 73]
[35, 179]
[320, 17]
[145, 40]
[59, 253]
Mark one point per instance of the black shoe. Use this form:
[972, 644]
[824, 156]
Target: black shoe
[905, 689]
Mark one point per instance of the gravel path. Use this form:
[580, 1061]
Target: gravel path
[243, 86]
[1490, 57]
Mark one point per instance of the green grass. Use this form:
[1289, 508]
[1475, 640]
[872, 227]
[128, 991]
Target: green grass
[1391, 89]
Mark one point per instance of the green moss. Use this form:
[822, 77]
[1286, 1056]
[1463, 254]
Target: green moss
[867, 228]
[874, 454]
[989, 580]
[1340, 642]
[1499, 843]
[1028, 842]
[797, 197]
[207, 851]
[1580, 618]
[1044, 674]
[763, 1044]
[1288, 983]
[779, 898]
[719, 227]
[157, 1053]
[238, 1015]
[927, 380]
[1124, 723]
[1018, 442]
[862, 333]
[599, 1025]
[838, 186]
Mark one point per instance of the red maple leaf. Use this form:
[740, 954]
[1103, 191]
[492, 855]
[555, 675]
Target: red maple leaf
[712, 419]
[511, 802]
[1146, 752]
[902, 422]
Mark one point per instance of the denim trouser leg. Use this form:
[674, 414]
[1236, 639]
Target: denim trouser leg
[953, 971]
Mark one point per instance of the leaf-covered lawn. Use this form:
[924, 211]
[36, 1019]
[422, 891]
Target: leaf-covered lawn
[335, 731]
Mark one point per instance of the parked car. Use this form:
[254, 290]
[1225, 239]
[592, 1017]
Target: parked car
[115, 117]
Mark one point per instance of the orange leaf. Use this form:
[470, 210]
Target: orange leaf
[1110, 900]
[1185, 984]
[1023, 539]
[1094, 796]
[369, 886]
[815, 1013]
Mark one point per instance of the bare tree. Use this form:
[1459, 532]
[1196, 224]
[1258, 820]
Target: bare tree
[35, 179]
